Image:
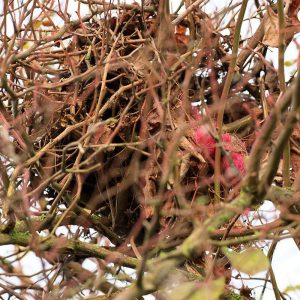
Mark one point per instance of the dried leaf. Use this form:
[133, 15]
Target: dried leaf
[295, 162]
[293, 8]
[148, 178]
[102, 134]
[37, 24]
[6, 145]
[271, 29]
[184, 165]
[185, 144]
[47, 22]
[182, 39]
[154, 120]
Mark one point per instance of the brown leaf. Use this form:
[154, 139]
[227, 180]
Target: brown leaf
[102, 134]
[271, 29]
[7, 146]
[293, 8]
[295, 162]
[47, 22]
[148, 178]
[154, 120]
[184, 165]
[186, 145]
[181, 38]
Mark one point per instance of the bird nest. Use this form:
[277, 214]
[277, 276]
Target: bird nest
[110, 108]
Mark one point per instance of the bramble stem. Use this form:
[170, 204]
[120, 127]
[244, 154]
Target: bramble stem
[286, 152]
[225, 92]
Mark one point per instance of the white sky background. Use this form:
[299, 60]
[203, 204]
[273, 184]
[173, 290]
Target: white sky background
[286, 260]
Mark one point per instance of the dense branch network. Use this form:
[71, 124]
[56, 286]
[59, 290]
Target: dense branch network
[135, 138]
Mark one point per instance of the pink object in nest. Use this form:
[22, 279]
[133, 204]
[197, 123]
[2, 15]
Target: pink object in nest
[226, 138]
[232, 168]
[238, 162]
[208, 144]
[205, 141]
